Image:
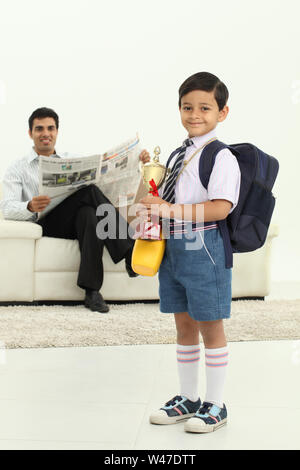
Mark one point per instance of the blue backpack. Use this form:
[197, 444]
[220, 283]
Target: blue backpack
[246, 228]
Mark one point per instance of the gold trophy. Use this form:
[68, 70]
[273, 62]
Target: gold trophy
[149, 250]
[154, 170]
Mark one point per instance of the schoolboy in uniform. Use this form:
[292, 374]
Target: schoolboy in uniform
[195, 284]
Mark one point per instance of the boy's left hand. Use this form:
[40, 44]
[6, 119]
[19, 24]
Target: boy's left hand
[149, 200]
[144, 156]
[154, 205]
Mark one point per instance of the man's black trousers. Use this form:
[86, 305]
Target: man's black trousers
[75, 218]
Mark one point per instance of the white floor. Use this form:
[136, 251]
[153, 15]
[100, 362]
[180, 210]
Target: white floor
[100, 398]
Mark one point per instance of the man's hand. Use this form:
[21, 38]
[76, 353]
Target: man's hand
[38, 203]
[144, 156]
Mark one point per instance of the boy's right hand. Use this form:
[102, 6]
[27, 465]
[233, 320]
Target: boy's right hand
[38, 203]
[144, 156]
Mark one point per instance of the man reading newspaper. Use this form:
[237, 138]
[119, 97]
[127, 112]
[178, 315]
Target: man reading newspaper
[74, 218]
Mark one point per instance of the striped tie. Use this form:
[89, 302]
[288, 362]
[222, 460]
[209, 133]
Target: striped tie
[169, 190]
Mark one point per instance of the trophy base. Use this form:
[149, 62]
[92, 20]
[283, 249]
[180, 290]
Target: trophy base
[147, 256]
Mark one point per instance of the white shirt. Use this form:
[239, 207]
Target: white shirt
[224, 182]
[20, 185]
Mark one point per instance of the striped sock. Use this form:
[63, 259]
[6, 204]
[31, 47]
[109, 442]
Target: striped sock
[188, 370]
[216, 361]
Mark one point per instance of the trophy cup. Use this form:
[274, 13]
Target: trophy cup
[154, 170]
[149, 249]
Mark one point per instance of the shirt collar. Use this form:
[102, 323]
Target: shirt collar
[202, 139]
[33, 155]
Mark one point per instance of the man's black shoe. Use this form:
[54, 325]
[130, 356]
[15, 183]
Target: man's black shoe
[95, 302]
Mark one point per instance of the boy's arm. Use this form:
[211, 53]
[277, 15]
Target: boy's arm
[208, 211]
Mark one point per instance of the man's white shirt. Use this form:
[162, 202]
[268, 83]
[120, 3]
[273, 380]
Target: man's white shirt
[21, 184]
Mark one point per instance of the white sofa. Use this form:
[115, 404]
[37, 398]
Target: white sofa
[37, 268]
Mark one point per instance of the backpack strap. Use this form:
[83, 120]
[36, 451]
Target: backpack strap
[206, 163]
[207, 160]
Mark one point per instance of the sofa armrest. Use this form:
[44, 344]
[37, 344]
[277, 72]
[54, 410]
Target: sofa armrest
[20, 229]
[273, 231]
[17, 254]
[251, 274]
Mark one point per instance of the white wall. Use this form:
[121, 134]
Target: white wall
[111, 68]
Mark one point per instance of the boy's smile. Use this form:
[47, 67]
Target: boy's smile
[200, 113]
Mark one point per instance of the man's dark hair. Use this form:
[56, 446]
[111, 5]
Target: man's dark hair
[207, 82]
[42, 113]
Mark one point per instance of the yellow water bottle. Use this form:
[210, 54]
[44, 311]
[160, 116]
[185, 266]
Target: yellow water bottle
[147, 256]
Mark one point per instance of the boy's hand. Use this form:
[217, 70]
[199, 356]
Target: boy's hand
[38, 203]
[149, 200]
[154, 205]
[144, 156]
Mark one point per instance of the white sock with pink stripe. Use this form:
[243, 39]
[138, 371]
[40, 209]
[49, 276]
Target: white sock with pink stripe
[188, 370]
[216, 361]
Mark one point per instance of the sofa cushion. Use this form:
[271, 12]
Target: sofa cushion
[116, 286]
[56, 254]
[19, 229]
[61, 255]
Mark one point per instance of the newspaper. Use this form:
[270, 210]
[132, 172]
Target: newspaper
[115, 172]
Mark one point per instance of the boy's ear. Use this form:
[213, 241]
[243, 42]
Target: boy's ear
[223, 114]
[30, 133]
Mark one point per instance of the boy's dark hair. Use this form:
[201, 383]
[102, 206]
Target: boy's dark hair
[42, 113]
[207, 82]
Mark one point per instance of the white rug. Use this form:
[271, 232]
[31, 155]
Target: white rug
[57, 326]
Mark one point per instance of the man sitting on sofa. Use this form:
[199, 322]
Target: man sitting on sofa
[74, 218]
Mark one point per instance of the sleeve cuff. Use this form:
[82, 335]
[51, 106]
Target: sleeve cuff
[222, 196]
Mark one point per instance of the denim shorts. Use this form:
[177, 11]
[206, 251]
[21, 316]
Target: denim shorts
[193, 277]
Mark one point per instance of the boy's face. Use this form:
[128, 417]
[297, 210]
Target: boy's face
[44, 134]
[200, 113]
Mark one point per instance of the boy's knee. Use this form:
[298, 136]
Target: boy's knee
[186, 332]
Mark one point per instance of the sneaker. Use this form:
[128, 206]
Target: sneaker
[175, 410]
[208, 418]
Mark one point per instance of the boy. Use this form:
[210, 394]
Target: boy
[195, 284]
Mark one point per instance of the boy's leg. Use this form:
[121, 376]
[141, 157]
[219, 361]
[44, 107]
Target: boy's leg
[188, 355]
[216, 360]
[186, 404]
[213, 413]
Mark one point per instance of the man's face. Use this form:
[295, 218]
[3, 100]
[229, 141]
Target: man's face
[44, 135]
[200, 113]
